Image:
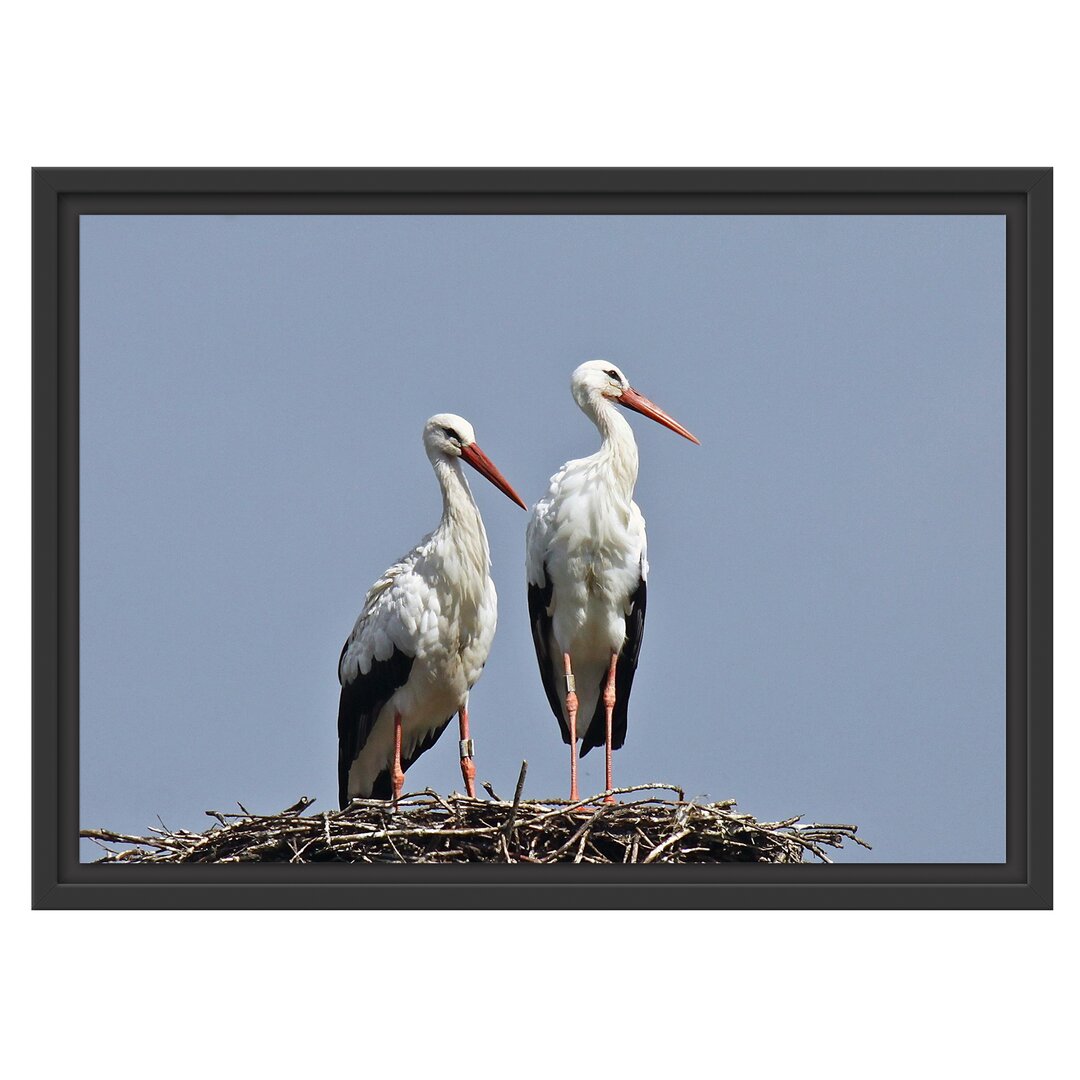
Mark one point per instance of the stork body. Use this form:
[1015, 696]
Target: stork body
[587, 568]
[423, 636]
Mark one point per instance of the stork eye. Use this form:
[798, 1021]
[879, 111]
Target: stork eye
[612, 373]
[450, 433]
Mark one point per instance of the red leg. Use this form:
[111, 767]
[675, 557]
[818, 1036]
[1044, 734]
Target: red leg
[397, 777]
[571, 712]
[465, 747]
[609, 708]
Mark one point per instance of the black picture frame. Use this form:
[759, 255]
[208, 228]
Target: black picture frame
[1024, 196]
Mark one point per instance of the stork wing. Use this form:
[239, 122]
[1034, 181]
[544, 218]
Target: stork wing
[624, 677]
[539, 602]
[362, 699]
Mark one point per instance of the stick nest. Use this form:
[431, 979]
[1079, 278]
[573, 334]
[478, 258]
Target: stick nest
[430, 828]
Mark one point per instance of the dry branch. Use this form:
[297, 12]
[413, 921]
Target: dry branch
[428, 828]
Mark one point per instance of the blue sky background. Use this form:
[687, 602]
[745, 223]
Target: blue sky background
[825, 632]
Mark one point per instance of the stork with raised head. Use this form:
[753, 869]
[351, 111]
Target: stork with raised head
[586, 566]
[423, 636]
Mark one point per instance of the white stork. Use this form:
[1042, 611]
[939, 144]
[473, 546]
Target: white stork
[586, 567]
[423, 636]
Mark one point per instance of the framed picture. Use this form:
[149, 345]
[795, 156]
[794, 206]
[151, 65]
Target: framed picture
[242, 380]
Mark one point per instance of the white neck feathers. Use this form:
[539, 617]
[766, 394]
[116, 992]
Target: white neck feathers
[618, 450]
[461, 524]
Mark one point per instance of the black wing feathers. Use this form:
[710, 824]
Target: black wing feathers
[539, 600]
[624, 679]
[361, 701]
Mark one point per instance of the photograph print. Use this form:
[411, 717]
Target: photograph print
[542, 538]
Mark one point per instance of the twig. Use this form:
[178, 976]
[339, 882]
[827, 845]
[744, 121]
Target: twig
[428, 827]
[520, 783]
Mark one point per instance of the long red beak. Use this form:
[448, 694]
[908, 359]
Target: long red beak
[486, 468]
[640, 403]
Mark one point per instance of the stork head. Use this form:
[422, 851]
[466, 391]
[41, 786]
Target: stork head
[599, 380]
[447, 435]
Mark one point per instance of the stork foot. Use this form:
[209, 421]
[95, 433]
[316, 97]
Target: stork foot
[468, 774]
[397, 782]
